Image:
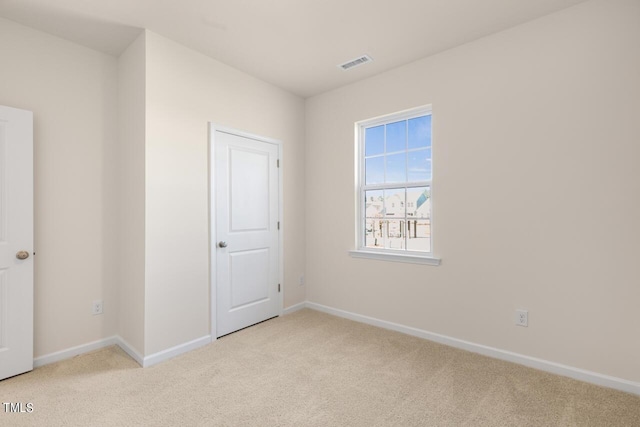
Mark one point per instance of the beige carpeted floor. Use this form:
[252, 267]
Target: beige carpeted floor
[310, 369]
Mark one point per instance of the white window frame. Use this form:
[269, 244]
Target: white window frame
[361, 250]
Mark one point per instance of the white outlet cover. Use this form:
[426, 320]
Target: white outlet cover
[96, 307]
[522, 318]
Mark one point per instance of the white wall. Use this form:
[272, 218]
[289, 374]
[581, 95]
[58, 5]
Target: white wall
[184, 91]
[536, 184]
[121, 182]
[72, 93]
[130, 200]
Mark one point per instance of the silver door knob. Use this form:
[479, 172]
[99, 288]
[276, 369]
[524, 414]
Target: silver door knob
[222, 244]
[22, 255]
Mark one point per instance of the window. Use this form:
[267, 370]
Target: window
[394, 187]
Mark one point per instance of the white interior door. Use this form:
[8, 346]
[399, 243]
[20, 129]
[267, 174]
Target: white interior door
[16, 241]
[246, 246]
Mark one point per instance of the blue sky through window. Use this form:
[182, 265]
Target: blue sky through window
[419, 132]
[396, 137]
[396, 168]
[374, 138]
[374, 170]
[419, 167]
[398, 152]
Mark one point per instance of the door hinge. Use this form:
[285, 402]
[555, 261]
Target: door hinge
[278, 162]
[278, 225]
[278, 287]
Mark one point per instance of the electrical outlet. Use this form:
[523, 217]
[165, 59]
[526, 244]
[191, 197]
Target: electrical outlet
[301, 280]
[96, 307]
[522, 318]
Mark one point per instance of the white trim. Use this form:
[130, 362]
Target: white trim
[212, 210]
[128, 348]
[532, 362]
[294, 308]
[212, 230]
[386, 256]
[145, 362]
[172, 352]
[361, 187]
[282, 224]
[74, 351]
[409, 113]
[521, 359]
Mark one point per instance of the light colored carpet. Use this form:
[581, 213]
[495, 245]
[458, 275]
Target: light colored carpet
[310, 369]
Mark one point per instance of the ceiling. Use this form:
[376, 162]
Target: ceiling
[293, 44]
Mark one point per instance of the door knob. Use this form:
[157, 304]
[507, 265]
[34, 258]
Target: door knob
[22, 255]
[221, 244]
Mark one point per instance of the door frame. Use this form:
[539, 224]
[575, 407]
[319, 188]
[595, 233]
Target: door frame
[213, 128]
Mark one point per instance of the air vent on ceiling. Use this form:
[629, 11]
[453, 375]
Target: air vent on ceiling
[355, 62]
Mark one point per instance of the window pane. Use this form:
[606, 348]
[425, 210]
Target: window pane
[419, 235]
[396, 168]
[373, 233]
[419, 219]
[374, 170]
[397, 161]
[394, 234]
[419, 203]
[396, 136]
[374, 141]
[420, 132]
[374, 211]
[374, 203]
[419, 165]
[394, 203]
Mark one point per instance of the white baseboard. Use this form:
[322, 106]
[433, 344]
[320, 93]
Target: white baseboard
[172, 352]
[128, 348]
[532, 362]
[73, 351]
[294, 308]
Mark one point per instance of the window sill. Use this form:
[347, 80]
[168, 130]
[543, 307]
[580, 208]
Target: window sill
[382, 256]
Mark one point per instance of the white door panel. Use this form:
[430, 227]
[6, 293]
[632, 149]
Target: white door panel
[246, 246]
[249, 191]
[248, 277]
[16, 241]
